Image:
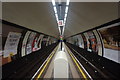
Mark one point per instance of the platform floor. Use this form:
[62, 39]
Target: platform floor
[73, 73]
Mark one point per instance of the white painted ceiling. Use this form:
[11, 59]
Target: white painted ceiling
[39, 16]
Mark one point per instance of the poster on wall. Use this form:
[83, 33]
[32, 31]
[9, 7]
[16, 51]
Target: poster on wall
[35, 43]
[71, 40]
[92, 41]
[85, 41]
[52, 40]
[81, 43]
[44, 41]
[24, 43]
[99, 42]
[11, 44]
[47, 43]
[76, 42]
[29, 43]
[111, 40]
[40, 41]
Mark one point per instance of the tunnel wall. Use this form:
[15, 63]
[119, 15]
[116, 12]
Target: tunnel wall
[103, 40]
[18, 41]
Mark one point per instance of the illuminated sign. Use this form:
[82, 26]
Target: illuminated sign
[60, 23]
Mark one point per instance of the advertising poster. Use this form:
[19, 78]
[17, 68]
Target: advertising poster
[11, 44]
[76, 41]
[29, 43]
[99, 42]
[92, 41]
[40, 41]
[44, 41]
[47, 43]
[85, 41]
[111, 40]
[24, 44]
[81, 42]
[35, 43]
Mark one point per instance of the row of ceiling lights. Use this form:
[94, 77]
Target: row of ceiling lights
[65, 16]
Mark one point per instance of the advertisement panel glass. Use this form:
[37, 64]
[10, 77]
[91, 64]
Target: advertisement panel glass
[29, 43]
[111, 40]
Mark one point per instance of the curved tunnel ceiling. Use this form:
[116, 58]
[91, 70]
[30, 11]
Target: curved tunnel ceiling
[40, 17]
[86, 15]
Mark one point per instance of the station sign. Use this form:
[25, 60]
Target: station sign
[60, 23]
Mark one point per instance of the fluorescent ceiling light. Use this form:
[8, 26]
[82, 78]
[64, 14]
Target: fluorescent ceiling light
[55, 10]
[64, 20]
[66, 10]
[63, 30]
[57, 19]
[53, 2]
[56, 15]
[65, 15]
[59, 30]
[68, 1]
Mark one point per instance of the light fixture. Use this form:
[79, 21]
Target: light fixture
[64, 20]
[67, 3]
[66, 9]
[65, 15]
[56, 16]
[63, 30]
[57, 20]
[55, 10]
[53, 2]
[59, 30]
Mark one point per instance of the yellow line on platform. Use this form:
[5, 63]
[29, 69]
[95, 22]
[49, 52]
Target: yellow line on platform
[83, 74]
[45, 65]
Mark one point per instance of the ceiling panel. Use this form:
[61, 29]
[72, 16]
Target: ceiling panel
[86, 15]
[38, 16]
